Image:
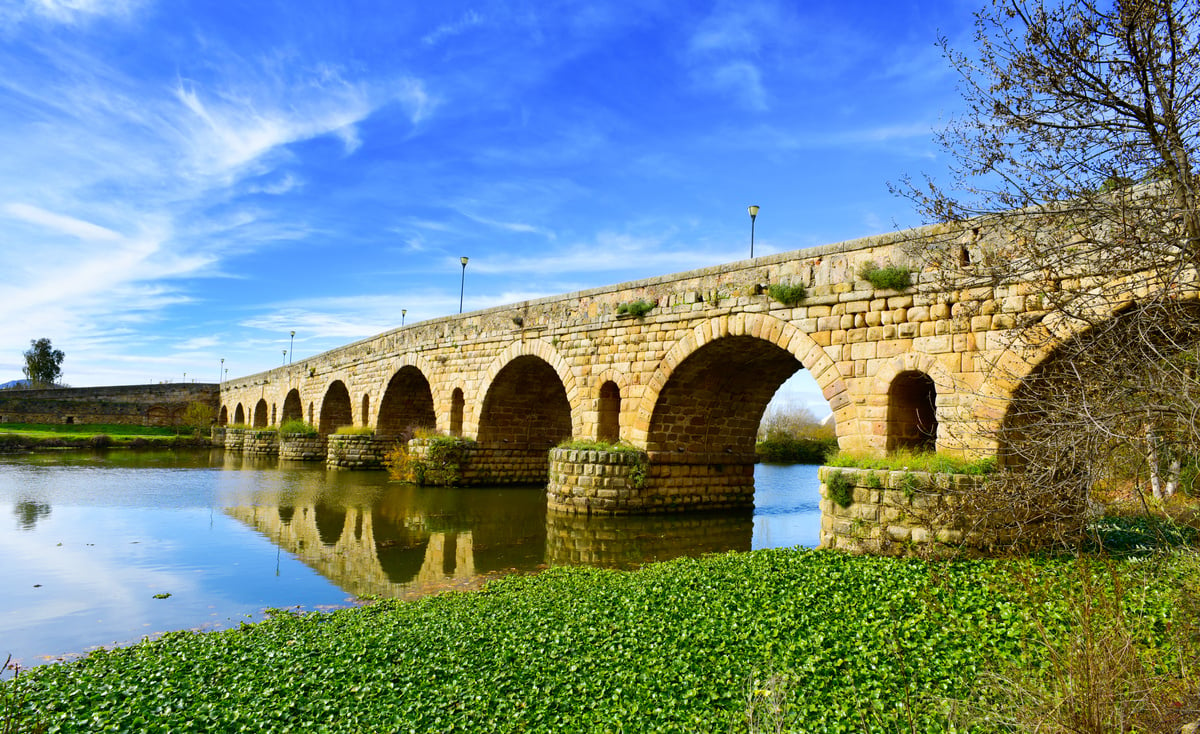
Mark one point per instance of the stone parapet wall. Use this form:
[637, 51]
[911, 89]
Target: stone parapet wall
[261, 443]
[601, 482]
[235, 438]
[908, 512]
[125, 405]
[301, 447]
[217, 433]
[349, 451]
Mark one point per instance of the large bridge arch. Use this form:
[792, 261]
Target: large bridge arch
[546, 354]
[526, 406]
[293, 409]
[406, 405]
[757, 331]
[336, 408]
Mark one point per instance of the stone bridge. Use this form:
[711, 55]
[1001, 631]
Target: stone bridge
[687, 381]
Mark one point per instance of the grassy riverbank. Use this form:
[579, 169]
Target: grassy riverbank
[31, 436]
[815, 641]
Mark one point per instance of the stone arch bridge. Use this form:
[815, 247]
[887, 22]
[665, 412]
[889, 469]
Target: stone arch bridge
[687, 381]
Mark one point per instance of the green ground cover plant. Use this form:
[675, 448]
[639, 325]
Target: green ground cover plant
[844, 643]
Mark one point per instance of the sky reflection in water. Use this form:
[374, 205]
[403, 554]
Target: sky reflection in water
[91, 540]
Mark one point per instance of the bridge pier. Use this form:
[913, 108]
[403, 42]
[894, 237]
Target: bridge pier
[636, 482]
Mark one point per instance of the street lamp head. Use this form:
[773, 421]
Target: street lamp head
[293, 332]
[463, 260]
[753, 209]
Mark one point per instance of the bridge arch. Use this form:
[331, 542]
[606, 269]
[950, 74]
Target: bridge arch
[239, 415]
[336, 410]
[609, 404]
[293, 409]
[260, 413]
[773, 341]
[557, 366]
[913, 404]
[526, 406]
[407, 404]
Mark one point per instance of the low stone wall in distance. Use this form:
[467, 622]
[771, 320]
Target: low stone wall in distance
[127, 405]
[356, 451]
[918, 513]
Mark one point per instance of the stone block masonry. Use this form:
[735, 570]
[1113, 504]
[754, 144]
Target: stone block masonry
[123, 405]
[356, 451]
[929, 367]
[919, 513]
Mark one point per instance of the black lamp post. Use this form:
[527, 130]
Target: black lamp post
[221, 371]
[753, 209]
[462, 286]
[404, 312]
[290, 350]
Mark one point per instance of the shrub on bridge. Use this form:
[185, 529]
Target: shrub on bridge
[636, 309]
[889, 277]
[788, 294]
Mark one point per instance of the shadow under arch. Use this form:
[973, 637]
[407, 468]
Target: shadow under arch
[526, 407]
[558, 370]
[293, 409]
[407, 404]
[260, 413]
[335, 408]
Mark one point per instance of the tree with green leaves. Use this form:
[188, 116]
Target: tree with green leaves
[1074, 173]
[43, 363]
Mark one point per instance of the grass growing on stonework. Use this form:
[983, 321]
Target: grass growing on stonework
[814, 641]
[926, 461]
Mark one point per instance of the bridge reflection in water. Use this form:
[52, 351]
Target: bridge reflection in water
[370, 537]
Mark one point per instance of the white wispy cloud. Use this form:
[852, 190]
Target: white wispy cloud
[468, 20]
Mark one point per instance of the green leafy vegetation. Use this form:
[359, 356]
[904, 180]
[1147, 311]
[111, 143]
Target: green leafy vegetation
[812, 640]
[841, 488]
[298, 427]
[788, 294]
[636, 309]
[914, 461]
[890, 277]
[440, 462]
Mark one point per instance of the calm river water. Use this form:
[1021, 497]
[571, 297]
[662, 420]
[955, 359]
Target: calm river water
[106, 548]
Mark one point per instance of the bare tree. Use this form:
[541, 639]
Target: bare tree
[1074, 174]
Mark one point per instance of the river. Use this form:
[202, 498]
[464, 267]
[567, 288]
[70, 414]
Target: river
[106, 548]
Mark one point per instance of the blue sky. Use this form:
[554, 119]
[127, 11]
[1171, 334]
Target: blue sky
[188, 181]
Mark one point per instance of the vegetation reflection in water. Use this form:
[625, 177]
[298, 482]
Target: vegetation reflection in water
[152, 524]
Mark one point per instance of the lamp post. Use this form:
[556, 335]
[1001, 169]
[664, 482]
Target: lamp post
[220, 371]
[403, 313]
[462, 286]
[290, 341]
[753, 209]
[285, 356]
